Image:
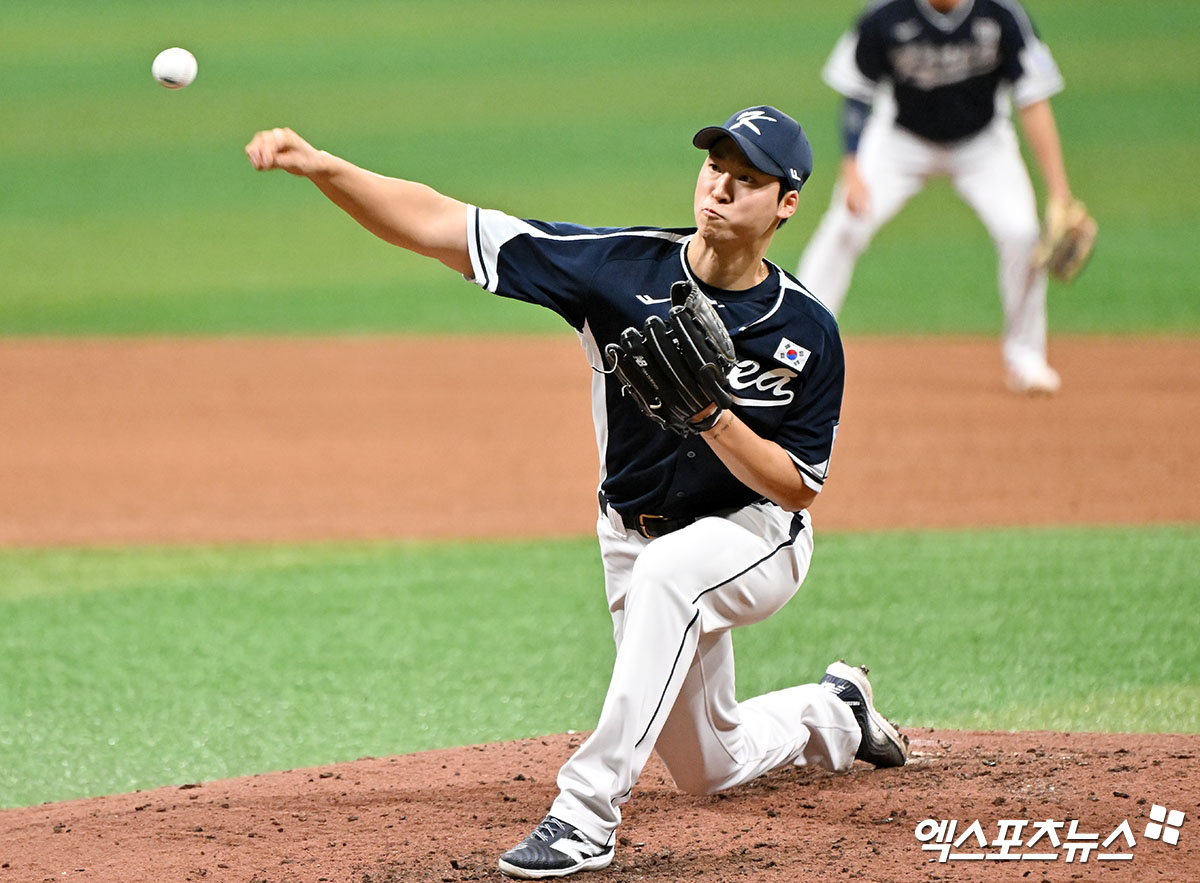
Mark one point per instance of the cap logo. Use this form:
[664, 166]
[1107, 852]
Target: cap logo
[748, 118]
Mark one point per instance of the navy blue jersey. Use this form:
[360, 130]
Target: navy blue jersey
[945, 69]
[787, 383]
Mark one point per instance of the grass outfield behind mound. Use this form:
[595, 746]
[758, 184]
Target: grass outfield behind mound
[129, 209]
[133, 668]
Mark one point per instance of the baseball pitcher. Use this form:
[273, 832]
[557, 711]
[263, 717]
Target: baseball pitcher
[717, 390]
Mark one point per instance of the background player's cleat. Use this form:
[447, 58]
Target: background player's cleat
[882, 744]
[1032, 378]
[554, 849]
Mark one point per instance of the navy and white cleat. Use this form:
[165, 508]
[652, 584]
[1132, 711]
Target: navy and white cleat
[554, 849]
[882, 744]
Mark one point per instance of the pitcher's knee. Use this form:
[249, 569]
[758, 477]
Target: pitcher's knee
[696, 778]
[699, 787]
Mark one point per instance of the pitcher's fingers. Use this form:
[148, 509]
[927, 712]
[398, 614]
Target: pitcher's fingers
[254, 150]
[261, 151]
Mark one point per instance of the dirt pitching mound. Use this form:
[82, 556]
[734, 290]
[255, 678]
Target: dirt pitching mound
[447, 815]
[182, 441]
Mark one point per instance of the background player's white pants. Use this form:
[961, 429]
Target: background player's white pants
[989, 174]
[673, 601]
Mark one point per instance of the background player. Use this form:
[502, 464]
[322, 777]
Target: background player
[701, 532]
[953, 66]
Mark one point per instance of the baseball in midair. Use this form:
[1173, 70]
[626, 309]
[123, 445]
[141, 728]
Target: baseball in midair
[174, 67]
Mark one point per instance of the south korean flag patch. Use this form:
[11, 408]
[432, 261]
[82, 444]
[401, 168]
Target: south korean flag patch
[792, 354]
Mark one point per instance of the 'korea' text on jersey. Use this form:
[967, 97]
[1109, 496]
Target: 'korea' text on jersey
[786, 385]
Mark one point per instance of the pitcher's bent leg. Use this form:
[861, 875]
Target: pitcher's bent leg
[701, 580]
[711, 742]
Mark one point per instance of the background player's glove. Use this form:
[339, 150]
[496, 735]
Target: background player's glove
[675, 369]
[1068, 237]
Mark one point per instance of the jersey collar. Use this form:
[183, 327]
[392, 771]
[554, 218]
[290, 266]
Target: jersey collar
[773, 283]
[945, 21]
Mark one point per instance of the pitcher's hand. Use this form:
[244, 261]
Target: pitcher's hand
[284, 149]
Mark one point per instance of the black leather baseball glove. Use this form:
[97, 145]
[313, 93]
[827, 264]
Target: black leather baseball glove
[675, 369]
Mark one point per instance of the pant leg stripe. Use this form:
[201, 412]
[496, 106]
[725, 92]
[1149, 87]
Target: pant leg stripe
[797, 526]
[674, 665]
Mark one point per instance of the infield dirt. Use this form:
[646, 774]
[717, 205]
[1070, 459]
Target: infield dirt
[148, 441]
[257, 440]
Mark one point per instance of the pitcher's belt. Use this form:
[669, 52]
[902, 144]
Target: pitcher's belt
[647, 524]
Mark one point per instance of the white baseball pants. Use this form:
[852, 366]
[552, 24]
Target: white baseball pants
[989, 174]
[673, 602]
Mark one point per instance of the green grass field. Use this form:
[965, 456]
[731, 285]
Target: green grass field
[129, 209]
[130, 668]
[126, 209]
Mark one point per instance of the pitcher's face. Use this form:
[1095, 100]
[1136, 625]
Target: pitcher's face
[734, 199]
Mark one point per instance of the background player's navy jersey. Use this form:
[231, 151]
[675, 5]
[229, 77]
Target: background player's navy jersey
[945, 68]
[787, 383]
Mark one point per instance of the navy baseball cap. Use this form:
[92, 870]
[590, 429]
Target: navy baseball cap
[772, 141]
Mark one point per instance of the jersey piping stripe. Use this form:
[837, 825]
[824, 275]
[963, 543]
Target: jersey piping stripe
[785, 285]
[813, 476]
[796, 527]
[483, 257]
[599, 407]
[474, 214]
[841, 71]
[1041, 77]
[1024, 22]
